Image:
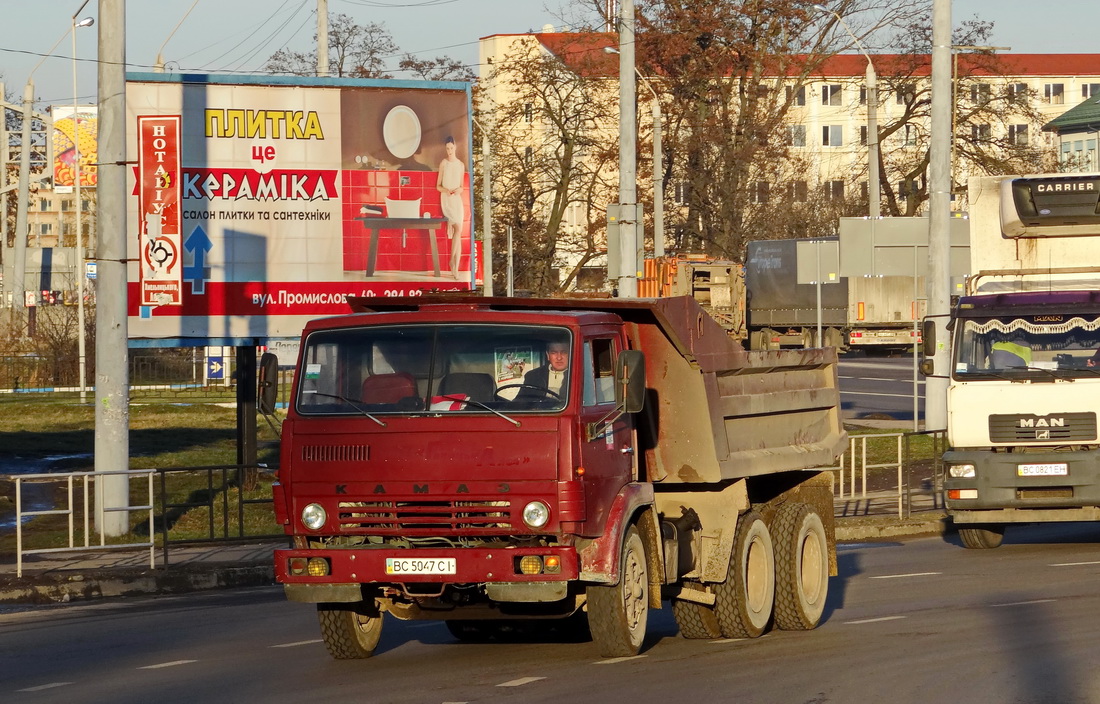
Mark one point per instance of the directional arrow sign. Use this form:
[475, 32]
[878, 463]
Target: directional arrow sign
[198, 244]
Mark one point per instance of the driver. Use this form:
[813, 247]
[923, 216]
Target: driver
[554, 375]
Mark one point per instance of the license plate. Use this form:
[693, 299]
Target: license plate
[1059, 469]
[420, 565]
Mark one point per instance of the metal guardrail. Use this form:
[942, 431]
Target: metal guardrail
[221, 499]
[854, 463]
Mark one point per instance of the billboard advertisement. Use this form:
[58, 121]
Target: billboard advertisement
[73, 130]
[292, 194]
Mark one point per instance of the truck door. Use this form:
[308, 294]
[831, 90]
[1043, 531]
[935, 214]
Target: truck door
[607, 458]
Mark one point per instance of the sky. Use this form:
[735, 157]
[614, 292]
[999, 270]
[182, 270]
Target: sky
[241, 34]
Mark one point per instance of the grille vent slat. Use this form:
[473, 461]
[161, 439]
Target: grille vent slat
[335, 453]
[1060, 427]
[425, 517]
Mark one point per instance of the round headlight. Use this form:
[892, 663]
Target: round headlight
[536, 514]
[313, 516]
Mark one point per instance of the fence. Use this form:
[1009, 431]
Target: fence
[855, 465]
[191, 505]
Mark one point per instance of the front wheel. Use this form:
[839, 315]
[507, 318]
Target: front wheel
[618, 614]
[982, 537]
[801, 567]
[350, 632]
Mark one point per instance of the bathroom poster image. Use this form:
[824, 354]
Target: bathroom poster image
[297, 193]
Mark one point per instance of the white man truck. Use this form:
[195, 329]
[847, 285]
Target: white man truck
[1023, 394]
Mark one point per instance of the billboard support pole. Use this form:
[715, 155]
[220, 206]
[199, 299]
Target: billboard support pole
[112, 412]
[486, 212]
[322, 38]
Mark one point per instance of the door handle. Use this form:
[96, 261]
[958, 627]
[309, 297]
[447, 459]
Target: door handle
[627, 450]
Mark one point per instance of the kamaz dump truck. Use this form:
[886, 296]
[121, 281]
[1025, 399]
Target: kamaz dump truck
[439, 462]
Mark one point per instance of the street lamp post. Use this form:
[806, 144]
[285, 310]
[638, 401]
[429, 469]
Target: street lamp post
[874, 197]
[80, 342]
[628, 129]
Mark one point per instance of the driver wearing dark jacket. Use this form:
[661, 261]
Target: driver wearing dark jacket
[554, 375]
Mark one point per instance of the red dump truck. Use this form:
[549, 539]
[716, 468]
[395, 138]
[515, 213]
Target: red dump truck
[437, 463]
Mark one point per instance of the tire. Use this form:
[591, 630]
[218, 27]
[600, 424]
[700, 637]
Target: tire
[350, 632]
[696, 620]
[618, 614]
[744, 601]
[982, 537]
[801, 567]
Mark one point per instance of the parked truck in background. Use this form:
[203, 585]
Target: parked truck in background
[426, 474]
[1024, 386]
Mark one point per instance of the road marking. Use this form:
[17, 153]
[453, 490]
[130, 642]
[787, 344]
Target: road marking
[41, 687]
[296, 644]
[167, 664]
[426, 624]
[520, 682]
[872, 393]
[612, 661]
[874, 620]
[901, 576]
[1026, 603]
[1075, 564]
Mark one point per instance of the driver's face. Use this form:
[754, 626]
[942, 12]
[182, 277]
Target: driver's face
[558, 355]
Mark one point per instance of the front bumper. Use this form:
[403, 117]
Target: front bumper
[997, 483]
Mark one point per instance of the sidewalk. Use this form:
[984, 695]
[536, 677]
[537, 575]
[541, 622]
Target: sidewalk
[78, 576]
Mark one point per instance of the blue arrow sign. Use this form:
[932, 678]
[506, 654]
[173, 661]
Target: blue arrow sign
[198, 244]
[214, 368]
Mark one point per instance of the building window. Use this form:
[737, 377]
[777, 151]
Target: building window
[44, 204]
[906, 188]
[44, 228]
[798, 191]
[528, 156]
[831, 94]
[66, 204]
[1054, 93]
[864, 190]
[796, 135]
[980, 133]
[979, 93]
[680, 193]
[1090, 89]
[910, 135]
[832, 136]
[1017, 135]
[834, 190]
[528, 112]
[863, 135]
[796, 96]
[863, 95]
[906, 95]
[1017, 92]
[759, 193]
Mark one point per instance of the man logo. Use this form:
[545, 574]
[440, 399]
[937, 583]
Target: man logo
[1042, 435]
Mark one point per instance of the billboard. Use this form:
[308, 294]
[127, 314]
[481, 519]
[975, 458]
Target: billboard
[293, 193]
[69, 133]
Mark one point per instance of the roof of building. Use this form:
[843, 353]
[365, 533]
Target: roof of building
[585, 53]
[1085, 116]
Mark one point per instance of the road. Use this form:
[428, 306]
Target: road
[916, 621]
[879, 387]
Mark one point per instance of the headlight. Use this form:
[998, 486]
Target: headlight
[961, 470]
[536, 514]
[313, 517]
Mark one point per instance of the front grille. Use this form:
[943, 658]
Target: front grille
[425, 518]
[1054, 492]
[1055, 427]
[335, 453]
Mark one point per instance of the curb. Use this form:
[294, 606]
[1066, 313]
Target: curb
[868, 528]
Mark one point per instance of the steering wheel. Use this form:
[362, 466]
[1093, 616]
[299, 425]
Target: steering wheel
[547, 393]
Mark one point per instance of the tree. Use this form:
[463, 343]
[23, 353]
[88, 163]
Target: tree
[441, 68]
[355, 50]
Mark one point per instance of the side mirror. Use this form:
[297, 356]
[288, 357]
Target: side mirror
[928, 335]
[630, 379]
[927, 366]
[268, 377]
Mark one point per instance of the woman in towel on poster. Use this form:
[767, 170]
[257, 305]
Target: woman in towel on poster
[449, 184]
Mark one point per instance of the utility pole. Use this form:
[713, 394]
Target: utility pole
[486, 211]
[112, 388]
[628, 128]
[322, 38]
[939, 217]
[18, 284]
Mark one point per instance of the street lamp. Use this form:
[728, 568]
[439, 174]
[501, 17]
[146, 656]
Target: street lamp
[80, 342]
[658, 160]
[873, 191]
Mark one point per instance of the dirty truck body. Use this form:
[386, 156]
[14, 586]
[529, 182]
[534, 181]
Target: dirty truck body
[1023, 392]
[426, 472]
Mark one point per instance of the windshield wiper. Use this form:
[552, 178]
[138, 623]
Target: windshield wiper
[353, 404]
[463, 399]
[1049, 372]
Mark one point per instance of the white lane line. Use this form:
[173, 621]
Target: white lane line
[872, 393]
[903, 576]
[612, 661]
[425, 624]
[874, 620]
[520, 682]
[1075, 564]
[872, 378]
[297, 643]
[1026, 603]
[42, 687]
[167, 664]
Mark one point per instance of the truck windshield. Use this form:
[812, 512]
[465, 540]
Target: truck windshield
[435, 369]
[1027, 347]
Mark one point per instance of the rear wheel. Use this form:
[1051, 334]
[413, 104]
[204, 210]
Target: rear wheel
[801, 567]
[618, 614]
[982, 537]
[695, 620]
[350, 631]
[744, 601]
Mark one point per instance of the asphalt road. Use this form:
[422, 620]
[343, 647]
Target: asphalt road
[916, 621]
[879, 387]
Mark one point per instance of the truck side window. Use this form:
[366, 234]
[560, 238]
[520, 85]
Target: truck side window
[599, 372]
